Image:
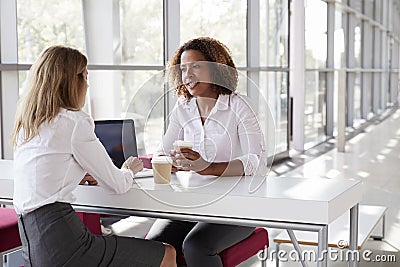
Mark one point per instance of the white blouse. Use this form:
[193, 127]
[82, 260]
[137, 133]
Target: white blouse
[231, 131]
[50, 166]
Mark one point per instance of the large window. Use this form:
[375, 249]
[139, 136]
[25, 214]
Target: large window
[141, 39]
[125, 43]
[47, 22]
[222, 20]
[273, 86]
[44, 23]
[274, 58]
[128, 43]
[142, 90]
[274, 48]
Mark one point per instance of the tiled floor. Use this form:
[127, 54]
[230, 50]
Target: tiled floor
[372, 156]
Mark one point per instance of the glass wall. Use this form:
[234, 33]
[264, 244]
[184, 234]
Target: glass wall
[41, 23]
[142, 54]
[368, 58]
[362, 46]
[141, 41]
[315, 63]
[274, 62]
[219, 19]
[128, 43]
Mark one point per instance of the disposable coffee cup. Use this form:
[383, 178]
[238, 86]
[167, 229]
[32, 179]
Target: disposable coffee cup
[179, 144]
[162, 166]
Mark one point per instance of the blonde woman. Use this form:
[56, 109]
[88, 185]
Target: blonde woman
[54, 144]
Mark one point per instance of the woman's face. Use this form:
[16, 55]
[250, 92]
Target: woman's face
[196, 74]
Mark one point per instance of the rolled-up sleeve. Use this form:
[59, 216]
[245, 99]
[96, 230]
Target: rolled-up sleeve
[92, 157]
[250, 137]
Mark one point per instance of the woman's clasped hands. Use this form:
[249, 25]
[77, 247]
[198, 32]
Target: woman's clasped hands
[186, 159]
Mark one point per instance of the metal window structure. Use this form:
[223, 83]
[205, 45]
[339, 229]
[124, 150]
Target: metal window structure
[363, 27]
[9, 75]
[363, 41]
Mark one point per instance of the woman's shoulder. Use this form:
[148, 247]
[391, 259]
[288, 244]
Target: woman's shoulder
[73, 116]
[240, 101]
[183, 103]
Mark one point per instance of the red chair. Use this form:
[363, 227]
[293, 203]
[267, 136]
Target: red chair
[243, 250]
[92, 221]
[9, 234]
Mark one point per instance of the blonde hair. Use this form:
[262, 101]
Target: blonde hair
[225, 75]
[54, 82]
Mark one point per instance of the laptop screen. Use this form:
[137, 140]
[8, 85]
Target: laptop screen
[118, 137]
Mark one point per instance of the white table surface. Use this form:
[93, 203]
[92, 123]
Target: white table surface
[312, 201]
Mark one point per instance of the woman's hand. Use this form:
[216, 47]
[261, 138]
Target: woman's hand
[134, 164]
[174, 169]
[89, 180]
[189, 160]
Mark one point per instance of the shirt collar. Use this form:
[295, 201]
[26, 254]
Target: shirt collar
[222, 103]
[191, 105]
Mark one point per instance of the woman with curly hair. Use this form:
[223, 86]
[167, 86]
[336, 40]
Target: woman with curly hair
[226, 137]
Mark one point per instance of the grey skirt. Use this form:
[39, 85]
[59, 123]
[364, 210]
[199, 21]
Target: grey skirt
[53, 235]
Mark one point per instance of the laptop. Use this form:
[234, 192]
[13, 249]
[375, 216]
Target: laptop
[119, 139]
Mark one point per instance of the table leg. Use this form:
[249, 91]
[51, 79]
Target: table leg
[297, 247]
[277, 258]
[382, 236]
[323, 246]
[353, 246]
[264, 258]
[383, 226]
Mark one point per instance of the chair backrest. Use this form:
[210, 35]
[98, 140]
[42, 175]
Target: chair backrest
[91, 221]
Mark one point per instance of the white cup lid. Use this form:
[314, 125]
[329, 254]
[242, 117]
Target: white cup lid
[183, 143]
[161, 160]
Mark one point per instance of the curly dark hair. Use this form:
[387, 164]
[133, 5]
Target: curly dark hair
[224, 74]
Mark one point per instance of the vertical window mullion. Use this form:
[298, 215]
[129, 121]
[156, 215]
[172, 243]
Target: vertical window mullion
[9, 79]
[253, 47]
[171, 11]
[330, 64]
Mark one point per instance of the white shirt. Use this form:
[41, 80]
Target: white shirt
[231, 131]
[50, 166]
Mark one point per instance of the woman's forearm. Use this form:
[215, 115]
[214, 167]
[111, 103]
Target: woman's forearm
[231, 168]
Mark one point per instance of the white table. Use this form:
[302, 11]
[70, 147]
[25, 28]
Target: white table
[284, 203]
